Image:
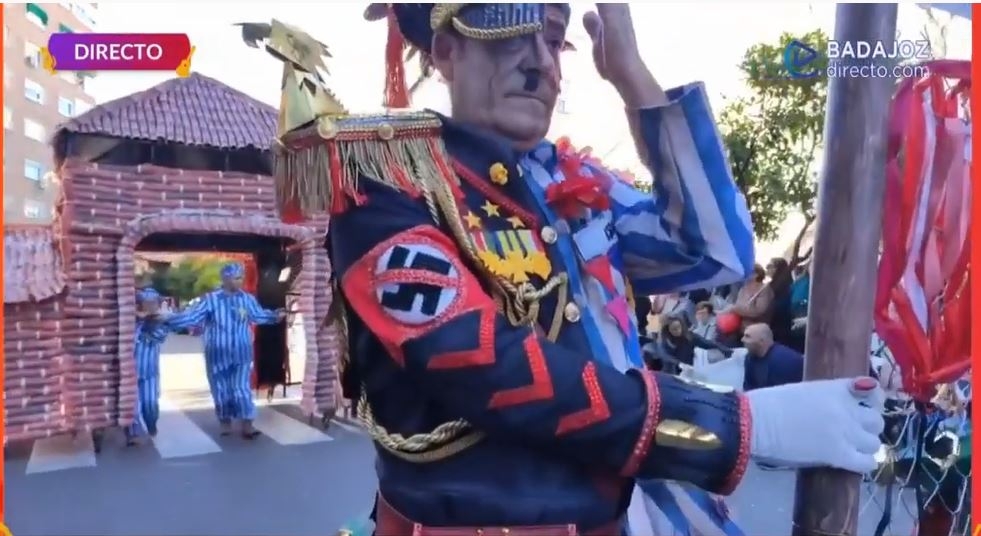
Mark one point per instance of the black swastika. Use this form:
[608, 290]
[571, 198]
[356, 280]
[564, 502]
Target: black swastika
[403, 298]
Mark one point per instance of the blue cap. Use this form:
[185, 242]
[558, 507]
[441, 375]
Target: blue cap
[232, 269]
[147, 294]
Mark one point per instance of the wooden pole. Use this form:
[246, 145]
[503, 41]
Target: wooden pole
[846, 246]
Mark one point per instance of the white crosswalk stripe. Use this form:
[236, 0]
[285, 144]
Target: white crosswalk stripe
[61, 452]
[181, 436]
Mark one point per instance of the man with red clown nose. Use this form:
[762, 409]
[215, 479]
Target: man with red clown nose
[486, 274]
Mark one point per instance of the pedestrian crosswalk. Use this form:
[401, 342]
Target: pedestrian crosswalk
[185, 430]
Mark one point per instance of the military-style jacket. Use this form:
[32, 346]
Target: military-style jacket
[487, 310]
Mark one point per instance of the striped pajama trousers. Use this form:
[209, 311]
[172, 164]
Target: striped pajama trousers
[231, 391]
[667, 508]
[147, 410]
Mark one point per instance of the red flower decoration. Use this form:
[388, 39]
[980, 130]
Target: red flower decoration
[579, 191]
[571, 197]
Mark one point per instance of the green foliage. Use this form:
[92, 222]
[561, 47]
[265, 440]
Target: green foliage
[190, 278]
[774, 134]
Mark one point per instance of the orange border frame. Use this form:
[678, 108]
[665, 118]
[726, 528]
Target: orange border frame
[3, 528]
[975, 263]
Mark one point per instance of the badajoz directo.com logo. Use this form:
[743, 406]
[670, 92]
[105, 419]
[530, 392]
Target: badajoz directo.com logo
[800, 60]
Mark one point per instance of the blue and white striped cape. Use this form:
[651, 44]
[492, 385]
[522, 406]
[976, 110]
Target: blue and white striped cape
[693, 232]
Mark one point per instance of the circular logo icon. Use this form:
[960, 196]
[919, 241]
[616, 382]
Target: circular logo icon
[798, 59]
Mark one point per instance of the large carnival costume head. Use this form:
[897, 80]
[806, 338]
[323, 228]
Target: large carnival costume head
[500, 61]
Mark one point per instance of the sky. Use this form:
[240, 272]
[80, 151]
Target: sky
[681, 42]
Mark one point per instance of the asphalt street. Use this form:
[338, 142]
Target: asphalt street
[296, 480]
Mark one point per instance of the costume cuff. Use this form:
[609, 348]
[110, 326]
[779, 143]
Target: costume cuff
[651, 418]
[742, 458]
[698, 434]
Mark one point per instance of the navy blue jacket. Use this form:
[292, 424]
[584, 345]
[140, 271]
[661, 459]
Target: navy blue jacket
[564, 437]
[780, 365]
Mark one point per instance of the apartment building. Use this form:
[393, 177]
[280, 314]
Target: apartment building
[35, 102]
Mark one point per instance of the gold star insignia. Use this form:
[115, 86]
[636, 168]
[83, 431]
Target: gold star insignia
[473, 221]
[491, 209]
[516, 222]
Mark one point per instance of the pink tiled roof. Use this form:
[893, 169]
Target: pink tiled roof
[32, 267]
[196, 110]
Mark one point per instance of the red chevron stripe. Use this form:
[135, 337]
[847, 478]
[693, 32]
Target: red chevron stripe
[541, 383]
[598, 410]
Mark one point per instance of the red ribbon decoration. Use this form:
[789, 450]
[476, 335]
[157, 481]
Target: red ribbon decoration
[922, 307]
[582, 188]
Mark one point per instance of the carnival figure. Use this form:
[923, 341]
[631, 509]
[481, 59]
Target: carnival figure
[484, 277]
[226, 316]
[152, 328]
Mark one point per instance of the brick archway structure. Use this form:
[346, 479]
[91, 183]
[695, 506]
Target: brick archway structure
[319, 391]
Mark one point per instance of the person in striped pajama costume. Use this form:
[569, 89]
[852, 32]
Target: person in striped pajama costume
[227, 316]
[152, 328]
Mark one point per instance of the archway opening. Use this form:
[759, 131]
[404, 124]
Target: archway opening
[183, 265]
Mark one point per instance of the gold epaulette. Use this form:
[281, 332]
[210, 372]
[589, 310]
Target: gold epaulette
[318, 166]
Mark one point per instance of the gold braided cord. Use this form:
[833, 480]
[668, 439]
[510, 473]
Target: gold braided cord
[558, 315]
[442, 14]
[446, 440]
[485, 34]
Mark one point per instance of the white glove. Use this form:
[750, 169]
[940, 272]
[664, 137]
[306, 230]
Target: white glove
[827, 423]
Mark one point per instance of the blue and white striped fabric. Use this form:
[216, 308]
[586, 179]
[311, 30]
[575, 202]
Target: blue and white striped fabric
[694, 232]
[227, 318]
[149, 337]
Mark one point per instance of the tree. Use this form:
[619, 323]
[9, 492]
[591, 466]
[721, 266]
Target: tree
[773, 135]
[190, 278]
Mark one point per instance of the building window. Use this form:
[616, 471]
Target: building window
[32, 54]
[66, 107]
[33, 209]
[35, 131]
[33, 91]
[37, 15]
[83, 11]
[33, 170]
[64, 29]
[82, 106]
[8, 119]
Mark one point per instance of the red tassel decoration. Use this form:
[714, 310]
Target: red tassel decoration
[396, 90]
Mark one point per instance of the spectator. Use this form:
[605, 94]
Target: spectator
[670, 305]
[781, 279]
[769, 363]
[677, 345]
[705, 328]
[800, 291]
[799, 295]
[705, 321]
[754, 300]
